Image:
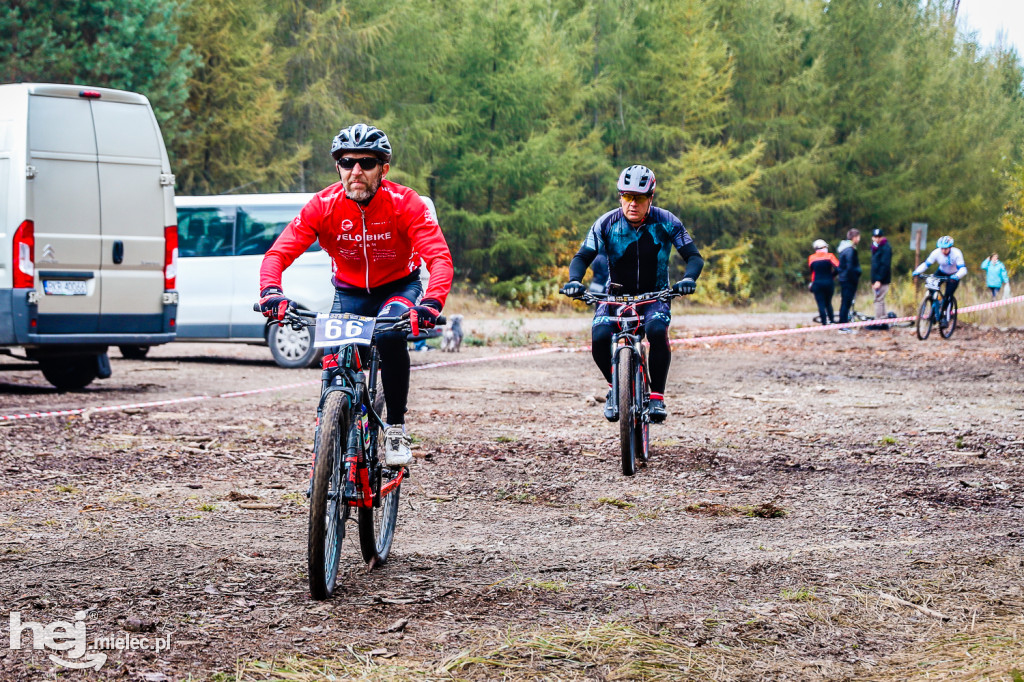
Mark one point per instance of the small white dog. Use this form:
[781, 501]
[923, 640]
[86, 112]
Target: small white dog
[451, 338]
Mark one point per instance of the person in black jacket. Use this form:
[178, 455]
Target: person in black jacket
[849, 273]
[881, 274]
[823, 266]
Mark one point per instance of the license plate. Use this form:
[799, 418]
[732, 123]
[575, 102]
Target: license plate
[64, 287]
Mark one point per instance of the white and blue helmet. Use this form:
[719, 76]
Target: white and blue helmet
[361, 138]
[637, 179]
[944, 242]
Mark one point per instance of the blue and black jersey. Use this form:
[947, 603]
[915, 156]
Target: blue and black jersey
[638, 257]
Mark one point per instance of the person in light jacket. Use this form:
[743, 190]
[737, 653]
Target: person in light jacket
[995, 274]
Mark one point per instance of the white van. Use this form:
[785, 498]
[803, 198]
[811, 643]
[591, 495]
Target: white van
[222, 240]
[87, 228]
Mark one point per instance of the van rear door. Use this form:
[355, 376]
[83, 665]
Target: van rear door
[133, 188]
[63, 198]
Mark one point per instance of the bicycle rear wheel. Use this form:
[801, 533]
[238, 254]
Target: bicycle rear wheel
[627, 412]
[327, 511]
[924, 319]
[642, 422]
[947, 331]
[377, 524]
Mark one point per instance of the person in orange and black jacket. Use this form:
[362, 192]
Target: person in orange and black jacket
[824, 267]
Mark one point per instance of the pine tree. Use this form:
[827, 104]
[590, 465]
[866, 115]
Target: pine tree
[234, 105]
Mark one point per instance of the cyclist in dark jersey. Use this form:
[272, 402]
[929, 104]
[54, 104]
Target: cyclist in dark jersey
[637, 239]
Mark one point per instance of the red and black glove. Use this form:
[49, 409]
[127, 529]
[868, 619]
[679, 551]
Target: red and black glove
[273, 303]
[424, 315]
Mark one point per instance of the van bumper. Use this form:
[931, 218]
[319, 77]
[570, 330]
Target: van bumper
[17, 316]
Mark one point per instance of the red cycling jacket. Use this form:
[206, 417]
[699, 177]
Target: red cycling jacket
[370, 246]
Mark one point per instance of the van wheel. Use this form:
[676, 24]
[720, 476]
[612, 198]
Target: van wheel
[134, 352]
[70, 373]
[292, 348]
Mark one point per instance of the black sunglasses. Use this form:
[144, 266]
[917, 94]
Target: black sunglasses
[366, 163]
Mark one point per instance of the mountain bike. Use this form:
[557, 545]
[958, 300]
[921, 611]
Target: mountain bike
[854, 317]
[348, 472]
[936, 308]
[631, 389]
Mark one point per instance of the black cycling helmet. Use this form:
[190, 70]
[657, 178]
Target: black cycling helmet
[361, 138]
[877, 232]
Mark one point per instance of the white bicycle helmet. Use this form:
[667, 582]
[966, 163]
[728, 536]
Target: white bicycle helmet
[819, 244]
[361, 138]
[637, 179]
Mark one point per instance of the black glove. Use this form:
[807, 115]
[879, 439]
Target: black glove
[427, 312]
[273, 303]
[573, 289]
[684, 287]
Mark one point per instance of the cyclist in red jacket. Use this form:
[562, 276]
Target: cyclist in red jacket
[376, 233]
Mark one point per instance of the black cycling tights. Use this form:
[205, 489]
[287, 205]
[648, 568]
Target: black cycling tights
[392, 346]
[660, 354]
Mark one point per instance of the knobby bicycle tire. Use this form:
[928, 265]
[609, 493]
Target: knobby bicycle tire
[377, 524]
[947, 331]
[925, 319]
[327, 511]
[641, 423]
[627, 411]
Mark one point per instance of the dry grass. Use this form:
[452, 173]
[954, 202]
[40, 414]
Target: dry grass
[604, 651]
[993, 652]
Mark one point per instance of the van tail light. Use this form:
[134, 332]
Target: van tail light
[170, 256]
[24, 260]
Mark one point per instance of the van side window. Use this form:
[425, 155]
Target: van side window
[259, 226]
[205, 232]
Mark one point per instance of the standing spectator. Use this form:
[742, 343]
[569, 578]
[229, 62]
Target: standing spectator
[849, 273]
[995, 274]
[823, 267]
[881, 274]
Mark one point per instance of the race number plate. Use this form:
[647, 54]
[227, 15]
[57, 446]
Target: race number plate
[64, 287]
[339, 329]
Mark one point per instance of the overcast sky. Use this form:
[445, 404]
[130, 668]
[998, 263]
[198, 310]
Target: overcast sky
[988, 17]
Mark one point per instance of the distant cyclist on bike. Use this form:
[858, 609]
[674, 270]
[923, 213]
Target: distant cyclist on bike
[950, 262]
[376, 233]
[637, 238]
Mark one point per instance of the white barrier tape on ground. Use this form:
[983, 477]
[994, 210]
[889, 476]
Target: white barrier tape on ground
[105, 408]
[835, 327]
[506, 356]
[269, 389]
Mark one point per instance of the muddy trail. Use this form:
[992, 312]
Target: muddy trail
[825, 507]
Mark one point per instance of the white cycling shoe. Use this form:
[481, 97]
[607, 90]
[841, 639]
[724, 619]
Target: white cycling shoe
[397, 453]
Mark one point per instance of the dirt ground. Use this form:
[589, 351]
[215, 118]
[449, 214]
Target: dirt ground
[817, 507]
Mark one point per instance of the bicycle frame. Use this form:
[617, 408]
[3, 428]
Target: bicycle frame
[629, 334]
[360, 476]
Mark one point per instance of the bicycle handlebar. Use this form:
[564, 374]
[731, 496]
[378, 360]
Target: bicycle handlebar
[295, 315]
[649, 297]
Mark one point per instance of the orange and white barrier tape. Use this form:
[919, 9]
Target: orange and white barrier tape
[505, 356]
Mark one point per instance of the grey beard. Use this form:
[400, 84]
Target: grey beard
[365, 195]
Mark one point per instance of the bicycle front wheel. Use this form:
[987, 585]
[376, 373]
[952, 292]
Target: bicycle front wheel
[327, 511]
[924, 319]
[642, 421]
[627, 412]
[947, 331]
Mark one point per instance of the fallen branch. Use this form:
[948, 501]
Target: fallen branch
[903, 602]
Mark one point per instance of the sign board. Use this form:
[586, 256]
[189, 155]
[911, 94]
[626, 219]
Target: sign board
[918, 236]
[338, 329]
